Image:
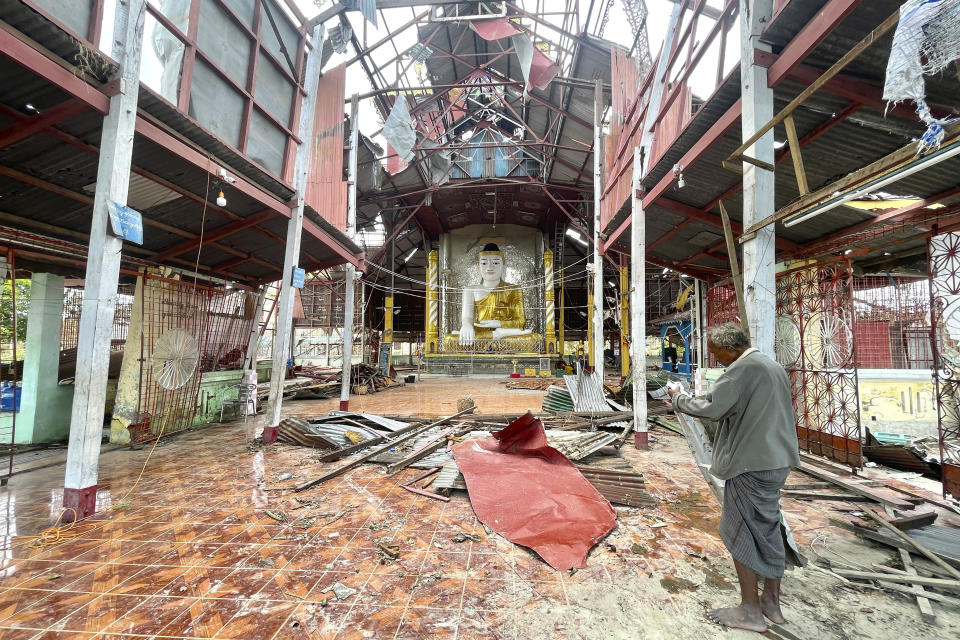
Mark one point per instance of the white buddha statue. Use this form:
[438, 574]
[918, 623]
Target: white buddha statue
[492, 309]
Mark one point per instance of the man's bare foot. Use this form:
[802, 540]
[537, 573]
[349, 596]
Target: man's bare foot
[771, 608]
[742, 617]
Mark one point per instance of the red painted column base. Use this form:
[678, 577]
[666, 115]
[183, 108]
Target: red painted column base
[83, 501]
[269, 435]
[344, 405]
[641, 440]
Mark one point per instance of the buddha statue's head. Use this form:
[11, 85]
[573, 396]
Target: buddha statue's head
[490, 262]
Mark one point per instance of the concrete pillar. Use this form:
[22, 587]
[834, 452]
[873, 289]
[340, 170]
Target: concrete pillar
[127, 401]
[44, 406]
[759, 271]
[103, 267]
[291, 255]
[596, 348]
[638, 242]
[624, 321]
[350, 271]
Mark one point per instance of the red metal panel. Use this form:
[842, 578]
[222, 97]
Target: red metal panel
[873, 339]
[671, 124]
[326, 190]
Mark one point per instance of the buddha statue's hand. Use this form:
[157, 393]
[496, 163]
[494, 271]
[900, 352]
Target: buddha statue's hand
[487, 324]
[467, 335]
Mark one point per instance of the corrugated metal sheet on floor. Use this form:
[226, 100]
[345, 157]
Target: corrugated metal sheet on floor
[386, 423]
[587, 392]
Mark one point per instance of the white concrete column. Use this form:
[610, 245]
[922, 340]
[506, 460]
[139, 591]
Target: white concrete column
[759, 273]
[638, 304]
[44, 406]
[350, 271]
[291, 254]
[597, 311]
[103, 267]
[638, 242]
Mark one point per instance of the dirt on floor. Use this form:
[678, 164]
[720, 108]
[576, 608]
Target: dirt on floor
[209, 499]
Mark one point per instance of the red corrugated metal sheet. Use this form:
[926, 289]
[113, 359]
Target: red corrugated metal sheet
[625, 120]
[873, 344]
[326, 190]
[671, 124]
[531, 494]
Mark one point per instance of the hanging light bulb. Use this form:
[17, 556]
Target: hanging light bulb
[221, 201]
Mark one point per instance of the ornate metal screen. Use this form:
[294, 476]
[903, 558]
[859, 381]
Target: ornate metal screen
[944, 253]
[815, 344]
[721, 308]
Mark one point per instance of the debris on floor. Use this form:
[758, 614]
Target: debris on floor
[532, 495]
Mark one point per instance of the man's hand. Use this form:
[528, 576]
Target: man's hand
[673, 388]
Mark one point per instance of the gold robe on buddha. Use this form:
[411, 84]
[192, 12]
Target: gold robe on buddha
[503, 303]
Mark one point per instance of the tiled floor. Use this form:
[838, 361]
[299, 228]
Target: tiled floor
[212, 544]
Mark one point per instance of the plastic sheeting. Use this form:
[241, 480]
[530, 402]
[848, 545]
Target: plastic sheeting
[529, 493]
[927, 40]
[538, 69]
[398, 129]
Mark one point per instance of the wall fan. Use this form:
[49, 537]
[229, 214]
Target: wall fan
[175, 358]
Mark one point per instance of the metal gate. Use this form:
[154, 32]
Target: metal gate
[814, 342]
[944, 266]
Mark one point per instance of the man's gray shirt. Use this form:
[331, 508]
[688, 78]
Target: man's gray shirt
[752, 403]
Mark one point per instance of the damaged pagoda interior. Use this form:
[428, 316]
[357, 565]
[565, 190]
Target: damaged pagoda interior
[360, 318]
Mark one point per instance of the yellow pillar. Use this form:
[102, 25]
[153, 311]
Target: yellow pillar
[433, 337]
[563, 337]
[624, 321]
[388, 328]
[590, 327]
[549, 333]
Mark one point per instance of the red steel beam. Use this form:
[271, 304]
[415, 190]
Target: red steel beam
[32, 60]
[714, 220]
[157, 135]
[815, 32]
[35, 61]
[217, 234]
[24, 129]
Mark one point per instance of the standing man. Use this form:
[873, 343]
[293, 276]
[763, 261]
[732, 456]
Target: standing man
[755, 446]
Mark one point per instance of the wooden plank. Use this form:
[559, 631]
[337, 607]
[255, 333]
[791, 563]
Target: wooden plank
[929, 595]
[855, 487]
[811, 495]
[916, 521]
[377, 451]
[937, 560]
[427, 449]
[923, 603]
[734, 267]
[890, 541]
[795, 155]
[838, 66]
[937, 583]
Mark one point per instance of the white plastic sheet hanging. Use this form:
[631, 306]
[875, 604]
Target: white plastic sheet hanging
[927, 40]
[398, 129]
